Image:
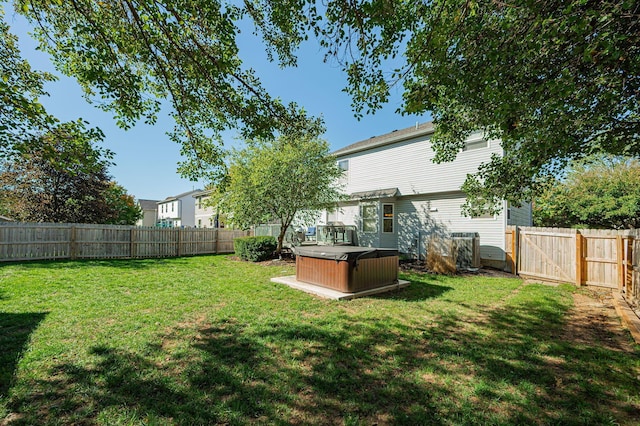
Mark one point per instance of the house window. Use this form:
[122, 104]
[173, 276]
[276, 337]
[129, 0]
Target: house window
[369, 214]
[199, 202]
[343, 165]
[199, 223]
[172, 206]
[483, 216]
[387, 218]
[471, 145]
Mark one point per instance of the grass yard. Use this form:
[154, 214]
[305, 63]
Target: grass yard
[208, 340]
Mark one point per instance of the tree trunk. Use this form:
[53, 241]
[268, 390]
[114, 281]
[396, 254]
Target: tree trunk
[280, 241]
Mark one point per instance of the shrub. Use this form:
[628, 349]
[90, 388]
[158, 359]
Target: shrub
[255, 249]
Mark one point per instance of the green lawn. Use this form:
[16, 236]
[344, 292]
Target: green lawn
[208, 340]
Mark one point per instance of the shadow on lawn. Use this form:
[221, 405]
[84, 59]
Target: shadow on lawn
[15, 330]
[330, 370]
[419, 289]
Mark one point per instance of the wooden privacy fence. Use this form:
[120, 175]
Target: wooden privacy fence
[604, 258]
[43, 241]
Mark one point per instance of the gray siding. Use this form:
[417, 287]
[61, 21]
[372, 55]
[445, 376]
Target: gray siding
[419, 217]
[148, 218]
[429, 197]
[408, 166]
[422, 216]
[521, 216]
[203, 213]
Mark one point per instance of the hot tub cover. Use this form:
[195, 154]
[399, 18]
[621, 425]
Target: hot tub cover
[348, 253]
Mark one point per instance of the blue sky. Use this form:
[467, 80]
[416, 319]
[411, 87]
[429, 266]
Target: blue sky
[146, 159]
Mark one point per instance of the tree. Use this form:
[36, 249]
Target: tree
[133, 54]
[555, 81]
[50, 171]
[58, 177]
[281, 180]
[122, 206]
[21, 115]
[600, 193]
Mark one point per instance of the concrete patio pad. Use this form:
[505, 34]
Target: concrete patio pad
[328, 293]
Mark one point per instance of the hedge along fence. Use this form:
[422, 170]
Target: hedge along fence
[255, 249]
[603, 258]
[51, 241]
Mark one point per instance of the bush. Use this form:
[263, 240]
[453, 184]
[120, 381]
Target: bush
[255, 249]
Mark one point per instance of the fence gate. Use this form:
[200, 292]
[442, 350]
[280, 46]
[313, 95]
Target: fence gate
[603, 258]
[547, 253]
[584, 257]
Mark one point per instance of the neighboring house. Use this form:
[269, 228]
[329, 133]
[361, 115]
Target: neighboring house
[149, 212]
[399, 197]
[207, 216]
[177, 211]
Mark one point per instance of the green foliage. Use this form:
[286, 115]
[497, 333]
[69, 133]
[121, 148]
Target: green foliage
[61, 176]
[133, 56]
[602, 193]
[122, 206]
[255, 249]
[58, 176]
[21, 114]
[284, 180]
[554, 81]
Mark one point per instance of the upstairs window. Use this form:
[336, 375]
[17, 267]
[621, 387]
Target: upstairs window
[471, 145]
[343, 165]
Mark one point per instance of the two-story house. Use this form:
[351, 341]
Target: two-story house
[399, 197]
[206, 215]
[149, 212]
[177, 211]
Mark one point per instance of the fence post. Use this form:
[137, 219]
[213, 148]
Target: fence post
[630, 290]
[635, 272]
[179, 248]
[514, 251]
[619, 261]
[579, 258]
[72, 244]
[217, 236]
[132, 243]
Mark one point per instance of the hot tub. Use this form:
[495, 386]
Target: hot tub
[348, 269]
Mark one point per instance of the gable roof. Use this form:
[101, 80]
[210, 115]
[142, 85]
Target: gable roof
[202, 193]
[388, 138]
[175, 197]
[147, 204]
